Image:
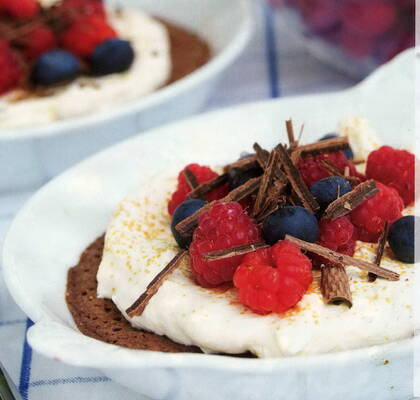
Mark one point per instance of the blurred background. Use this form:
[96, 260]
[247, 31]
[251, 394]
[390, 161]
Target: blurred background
[312, 46]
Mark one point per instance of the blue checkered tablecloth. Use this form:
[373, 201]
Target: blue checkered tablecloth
[274, 64]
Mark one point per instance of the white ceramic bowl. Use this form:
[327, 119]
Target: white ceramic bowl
[30, 157]
[55, 226]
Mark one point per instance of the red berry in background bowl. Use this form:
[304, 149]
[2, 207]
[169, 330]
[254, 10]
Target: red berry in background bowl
[37, 41]
[20, 9]
[369, 18]
[321, 15]
[10, 70]
[360, 34]
[87, 32]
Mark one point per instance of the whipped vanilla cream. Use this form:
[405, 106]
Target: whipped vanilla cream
[86, 95]
[362, 137]
[139, 244]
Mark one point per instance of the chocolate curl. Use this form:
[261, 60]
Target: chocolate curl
[245, 164]
[296, 181]
[137, 308]
[187, 225]
[201, 190]
[324, 146]
[234, 251]
[335, 286]
[380, 250]
[293, 143]
[266, 183]
[190, 178]
[343, 259]
[333, 170]
[349, 201]
[262, 155]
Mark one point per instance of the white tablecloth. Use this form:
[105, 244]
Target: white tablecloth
[274, 64]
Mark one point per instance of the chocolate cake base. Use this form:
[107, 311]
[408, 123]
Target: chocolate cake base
[188, 51]
[100, 318]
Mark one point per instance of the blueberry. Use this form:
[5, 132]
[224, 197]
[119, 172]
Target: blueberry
[184, 210]
[112, 56]
[326, 190]
[290, 220]
[348, 153]
[55, 66]
[401, 238]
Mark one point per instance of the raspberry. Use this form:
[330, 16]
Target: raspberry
[355, 44]
[320, 15]
[394, 168]
[369, 18]
[370, 217]
[11, 72]
[225, 225]
[312, 170]
[37, 41]
[337, 235]
[273, 280]
[82, 7]
[83, 35]
[20, 8]
[202, 174]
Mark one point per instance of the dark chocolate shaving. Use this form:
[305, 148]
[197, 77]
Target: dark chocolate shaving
[187, 225]
[274, 201]
[343, 259]
[137, 308]
[296, 180]
[262, 155]
[201, 190]
[243, 165]
[335, 286]
[380, 250]
[266, 183]
[332, 169]
[190, 178]
[293, 143]
[324, 146]
[234, 251]
[349, 201]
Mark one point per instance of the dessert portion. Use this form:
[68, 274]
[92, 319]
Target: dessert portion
[303, 249]
[69, 58]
